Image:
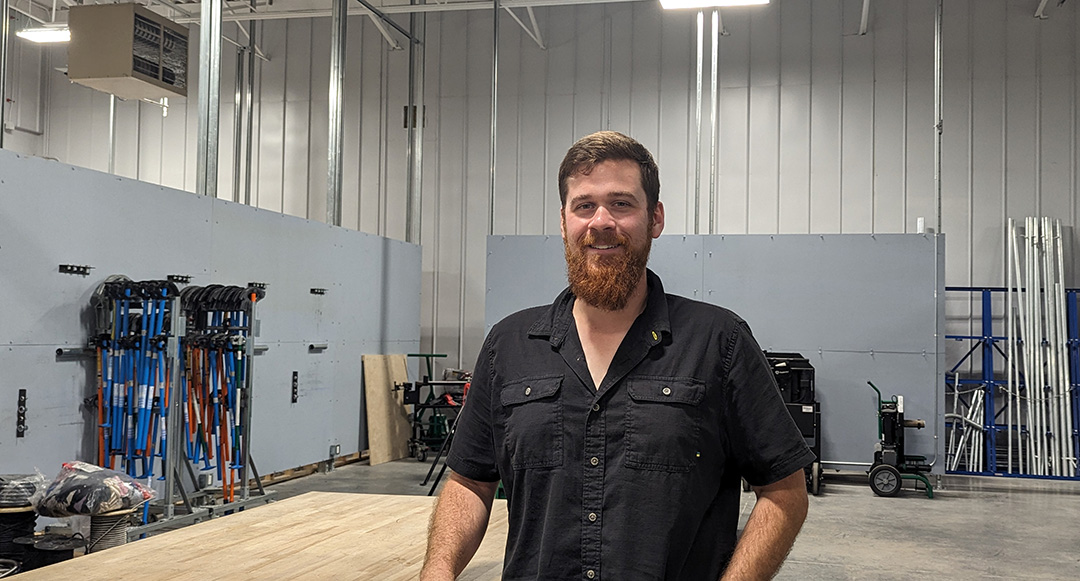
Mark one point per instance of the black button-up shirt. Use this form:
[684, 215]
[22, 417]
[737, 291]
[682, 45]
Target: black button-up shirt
[637, 478]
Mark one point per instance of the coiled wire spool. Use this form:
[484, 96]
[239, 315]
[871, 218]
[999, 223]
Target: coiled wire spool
[8, 567]
[15, 522]
[108, 530]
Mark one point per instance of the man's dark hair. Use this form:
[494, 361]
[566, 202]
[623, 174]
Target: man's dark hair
[590, 150]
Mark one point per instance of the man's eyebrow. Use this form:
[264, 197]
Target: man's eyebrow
[591, 197]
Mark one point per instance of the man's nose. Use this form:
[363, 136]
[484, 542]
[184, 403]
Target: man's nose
[602, 219]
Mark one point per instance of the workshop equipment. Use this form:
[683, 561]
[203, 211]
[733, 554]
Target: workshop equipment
[891, 465]
[795, 377]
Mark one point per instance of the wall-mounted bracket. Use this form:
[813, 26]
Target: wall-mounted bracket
[318, 291]
[260, 285]
[295, 386]
[79, 269]
[179, 278]
[20, 415]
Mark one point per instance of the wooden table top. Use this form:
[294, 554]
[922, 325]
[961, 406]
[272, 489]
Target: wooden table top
[318, 535]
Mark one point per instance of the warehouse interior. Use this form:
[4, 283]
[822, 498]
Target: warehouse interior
[308, 215]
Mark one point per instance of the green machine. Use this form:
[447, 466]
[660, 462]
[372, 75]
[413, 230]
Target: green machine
[891, 466]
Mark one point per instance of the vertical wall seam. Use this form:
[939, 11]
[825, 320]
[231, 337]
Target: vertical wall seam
[873, 134]
[779, 108]
[810, 135]
[310, 103]
[284, 118]
[517, 144]
[840, 133]
[749, 78]
[1038, 117]
[462, 246]
[1075, 94]
[904, 120]
[138, 140]
[971, 152]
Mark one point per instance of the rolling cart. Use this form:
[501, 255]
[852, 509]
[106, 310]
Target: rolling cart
[891, 466]
[795, 378]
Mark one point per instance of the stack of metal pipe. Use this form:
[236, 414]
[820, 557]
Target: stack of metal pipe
[1040, 400]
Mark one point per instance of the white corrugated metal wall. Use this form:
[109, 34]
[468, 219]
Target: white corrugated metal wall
[821, 130]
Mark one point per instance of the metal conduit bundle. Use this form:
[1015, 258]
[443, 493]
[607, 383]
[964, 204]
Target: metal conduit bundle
[214, 379]
[1043, 401]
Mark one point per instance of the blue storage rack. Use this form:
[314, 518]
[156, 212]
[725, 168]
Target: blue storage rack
[987, 344]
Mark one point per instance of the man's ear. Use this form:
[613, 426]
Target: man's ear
[562, 222]
[658, 220]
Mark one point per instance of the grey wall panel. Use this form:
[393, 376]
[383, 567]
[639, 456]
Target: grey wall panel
[848, 292]
[39, 233]
[679, 261]
[849, 408]
[860, 307]
[522, 272]
[57, 214]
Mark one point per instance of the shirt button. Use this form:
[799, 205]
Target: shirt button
[665, 391]
[528, 390]
[594, 460]
[590, 574]
[592, 517]
[595, 407]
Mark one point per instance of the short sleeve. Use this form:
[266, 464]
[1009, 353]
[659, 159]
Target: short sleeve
[472, 453]
[765, 444]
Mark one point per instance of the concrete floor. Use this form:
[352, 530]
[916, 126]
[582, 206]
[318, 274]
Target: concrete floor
[974, 528]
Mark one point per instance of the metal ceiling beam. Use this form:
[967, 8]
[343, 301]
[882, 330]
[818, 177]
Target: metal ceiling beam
[403, 9]
[387, 20]
[385, 33]
[1039, 11]
[533, 33]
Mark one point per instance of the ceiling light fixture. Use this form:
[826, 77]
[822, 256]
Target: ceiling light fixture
[677, 4]
[48, 34]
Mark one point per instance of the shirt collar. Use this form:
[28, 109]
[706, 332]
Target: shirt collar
[555, 321]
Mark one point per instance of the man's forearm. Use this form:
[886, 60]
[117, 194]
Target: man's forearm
[457, 526]
[771, 530]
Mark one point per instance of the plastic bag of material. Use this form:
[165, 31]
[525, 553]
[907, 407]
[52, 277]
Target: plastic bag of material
[86, 489]
[19, 490]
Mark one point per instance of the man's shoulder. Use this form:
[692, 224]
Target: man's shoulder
[522, 320]
[682, 310]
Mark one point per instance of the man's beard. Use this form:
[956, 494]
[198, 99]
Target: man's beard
[606, 282]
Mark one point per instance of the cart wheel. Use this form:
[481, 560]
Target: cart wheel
[815, 479]
[885, 480]
[421, 455]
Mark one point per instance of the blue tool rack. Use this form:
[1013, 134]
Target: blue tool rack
[987, 344]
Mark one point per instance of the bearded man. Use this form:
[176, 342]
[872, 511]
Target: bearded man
[620, 419]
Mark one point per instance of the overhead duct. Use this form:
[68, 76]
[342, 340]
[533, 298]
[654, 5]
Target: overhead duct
[128, 51]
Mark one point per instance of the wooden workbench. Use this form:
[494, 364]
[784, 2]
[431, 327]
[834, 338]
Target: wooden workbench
[318, 535]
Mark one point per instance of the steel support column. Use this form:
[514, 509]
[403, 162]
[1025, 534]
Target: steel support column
[413, 209]
[338, 20]
[206, 174]
[5, 37]
[494, 111]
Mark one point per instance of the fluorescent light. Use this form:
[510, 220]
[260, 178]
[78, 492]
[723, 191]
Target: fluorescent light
[676, 4]
[51, 34]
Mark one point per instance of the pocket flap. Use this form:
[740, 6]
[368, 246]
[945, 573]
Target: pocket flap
[530, 389]
[666, 390]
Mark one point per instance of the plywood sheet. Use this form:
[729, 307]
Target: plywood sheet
[318, 535]
[387, 415]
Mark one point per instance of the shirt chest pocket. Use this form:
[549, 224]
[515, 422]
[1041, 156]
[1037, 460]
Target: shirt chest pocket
[663, 421]
[533, 412]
